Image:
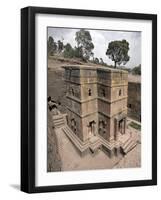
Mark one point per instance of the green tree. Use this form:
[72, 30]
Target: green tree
[118, 52]
[51, 46]
[60, 46]
[84, 44]
[68, 51]
[137, 70]
[78, 52]
[101, 61]
[96, 60]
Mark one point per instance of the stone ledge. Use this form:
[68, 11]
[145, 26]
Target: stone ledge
[113, 101]
[81, 116]
[79, 100]
[91, 144]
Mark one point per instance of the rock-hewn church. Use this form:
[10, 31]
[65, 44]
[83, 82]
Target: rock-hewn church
[97, 108]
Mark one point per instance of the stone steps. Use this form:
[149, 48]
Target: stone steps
[94, 145]
[107, 144]
[129, 144]
[75, 140]
[96, 142]
[59, 121]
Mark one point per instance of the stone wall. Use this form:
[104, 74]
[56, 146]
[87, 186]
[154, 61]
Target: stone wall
[134, 100]
[73, 105]
[88, 91]
[73, 90]
[119, 92]
[104, 91]
[119, 77]
[74, 121]
[53, 158]
[118, 106]
[104, 107]
[89, 107]
[104, 77]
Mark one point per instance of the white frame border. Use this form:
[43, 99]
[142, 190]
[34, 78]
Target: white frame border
[94, 176]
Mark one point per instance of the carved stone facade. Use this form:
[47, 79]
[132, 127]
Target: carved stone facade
[82, 101]
[112, 101]
[96, 102]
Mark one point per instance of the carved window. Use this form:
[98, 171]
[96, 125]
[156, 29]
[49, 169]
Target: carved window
[103, 93]
[102, 127]
[73, 125]
[100, 124]
[72, 91]
[130, 106]
[120, 92]
[89, 92]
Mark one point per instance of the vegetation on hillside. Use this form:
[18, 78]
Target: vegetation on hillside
[117, 51]
[135, 126]
[136, 70]
[84, 44]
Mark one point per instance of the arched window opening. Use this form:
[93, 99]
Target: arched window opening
[74, 125]
[103, 93]
[120, 92]
[89, 92]
[72, 91]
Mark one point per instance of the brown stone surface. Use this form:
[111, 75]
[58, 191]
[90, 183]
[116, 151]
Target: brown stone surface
[134, 100]
[132, 159]
[72, 160]
[95, 96]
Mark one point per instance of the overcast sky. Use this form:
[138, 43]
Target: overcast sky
[100, 39]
